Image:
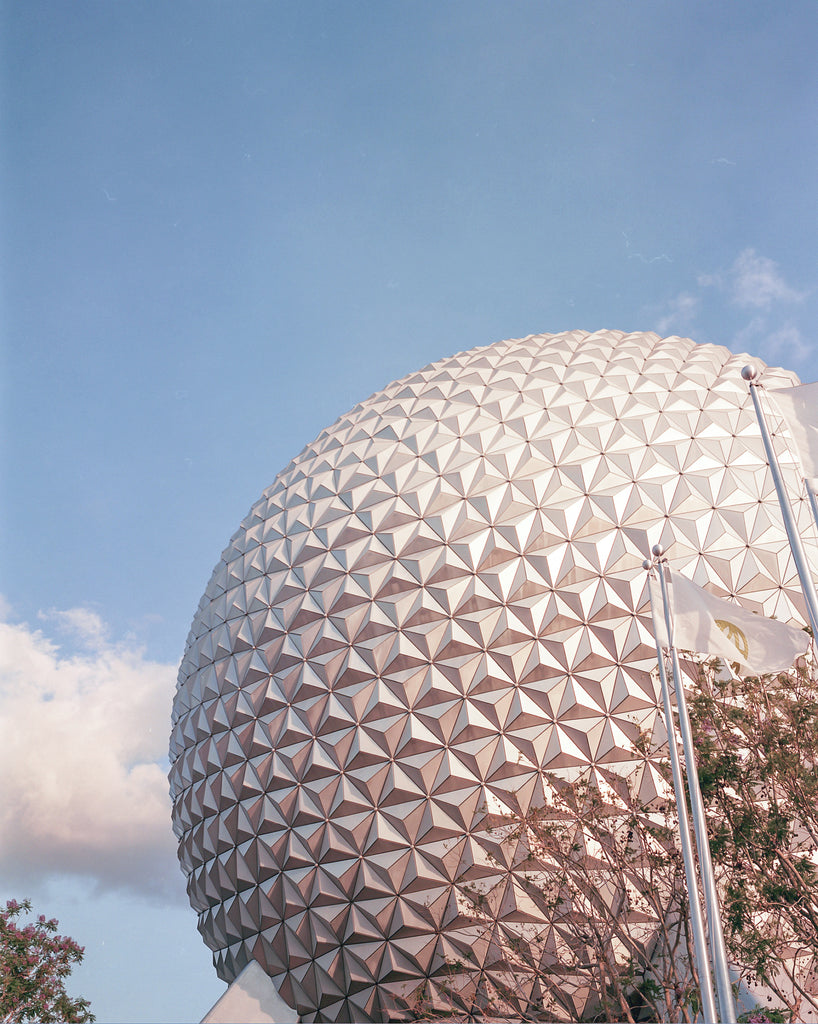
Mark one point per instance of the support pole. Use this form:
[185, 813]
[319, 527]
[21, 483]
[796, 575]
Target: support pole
[696, 918]
[749, 373]
[813, 502]
[718, 949]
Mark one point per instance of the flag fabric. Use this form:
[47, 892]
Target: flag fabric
[722, 629]
[657, 611]
[799, 407]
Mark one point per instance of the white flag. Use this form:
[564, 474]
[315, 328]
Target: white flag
[722, 629]
[799, 406]
[657, 611]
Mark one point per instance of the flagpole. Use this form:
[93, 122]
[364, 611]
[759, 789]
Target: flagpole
[696, 918]
[718, 950]
[750, 373]
[813, 502]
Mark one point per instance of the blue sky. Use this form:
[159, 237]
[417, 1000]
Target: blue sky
[226, 223]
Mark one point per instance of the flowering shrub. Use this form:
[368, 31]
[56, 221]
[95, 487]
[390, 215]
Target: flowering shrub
[34, 963]
[605, 871]
[759, 1015]
[757, 752]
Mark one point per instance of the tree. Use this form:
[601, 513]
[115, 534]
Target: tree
[601, 926]
[606, 875]
[34, 964]
[600, 893]
[757, 750]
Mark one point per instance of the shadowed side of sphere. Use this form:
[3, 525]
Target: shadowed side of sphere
[441, 598]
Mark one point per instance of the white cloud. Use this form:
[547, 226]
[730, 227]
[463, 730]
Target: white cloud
[782, 344]
[788, 341]
[710, 280]
[83, 759]
[681, 312]
[754, 285]
[82, 623]
[755, 282]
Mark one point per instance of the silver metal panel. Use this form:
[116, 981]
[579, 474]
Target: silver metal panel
[440, 598]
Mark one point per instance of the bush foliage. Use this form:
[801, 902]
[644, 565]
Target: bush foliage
[34, 964]
[604, 872]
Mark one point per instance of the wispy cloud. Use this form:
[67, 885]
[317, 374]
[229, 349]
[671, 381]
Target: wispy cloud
[80, 624]
[681, 312]
[757, 283]
[750, 334]
[661, 257]
[753, 282]
[784, 344]
[754, 302]
[788, 341]
[83, 759]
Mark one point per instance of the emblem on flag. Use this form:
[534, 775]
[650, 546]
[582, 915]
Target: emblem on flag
[735, 635]
[714, 626]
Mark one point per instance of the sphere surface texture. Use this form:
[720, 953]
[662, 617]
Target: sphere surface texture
[441, 598]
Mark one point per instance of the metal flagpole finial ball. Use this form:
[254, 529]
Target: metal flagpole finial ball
[750, 372]
[657, 550]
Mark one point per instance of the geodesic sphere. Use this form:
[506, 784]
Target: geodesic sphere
[439, 599]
